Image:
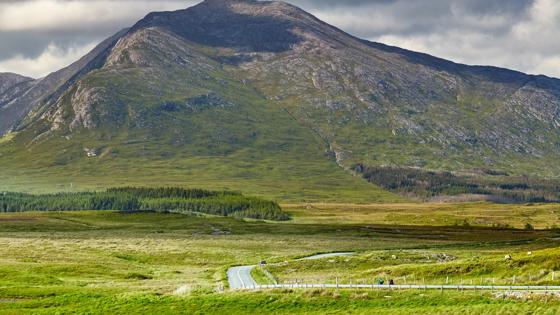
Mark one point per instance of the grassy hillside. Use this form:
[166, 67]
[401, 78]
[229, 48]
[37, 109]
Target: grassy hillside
[176, 101]
[148, 128]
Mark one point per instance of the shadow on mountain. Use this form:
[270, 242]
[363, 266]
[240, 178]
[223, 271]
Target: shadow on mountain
[219, 26]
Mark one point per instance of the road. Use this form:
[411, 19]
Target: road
[240, 278]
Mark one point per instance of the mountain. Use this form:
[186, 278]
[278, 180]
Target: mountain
[12, 86]
[263, 96]
[23, 98]
[9, 80]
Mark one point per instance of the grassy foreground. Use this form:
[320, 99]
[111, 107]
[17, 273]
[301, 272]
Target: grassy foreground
[111, 262]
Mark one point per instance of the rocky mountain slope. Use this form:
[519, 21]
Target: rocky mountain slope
[241, 92]
[12, 86]
[19, 100]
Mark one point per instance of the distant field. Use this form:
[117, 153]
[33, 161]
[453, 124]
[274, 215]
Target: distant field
[99, 262]
[483, 214]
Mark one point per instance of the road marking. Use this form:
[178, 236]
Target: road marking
[240, 279]
[236, 271]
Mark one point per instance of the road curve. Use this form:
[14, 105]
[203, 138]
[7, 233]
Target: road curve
[240, 278]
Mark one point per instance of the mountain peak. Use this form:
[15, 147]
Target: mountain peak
[227, 2]
[248, 25]
[203, 77]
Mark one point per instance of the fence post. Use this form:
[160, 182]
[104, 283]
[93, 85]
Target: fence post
[337, 283]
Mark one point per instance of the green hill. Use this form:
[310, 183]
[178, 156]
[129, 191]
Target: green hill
[265, 98]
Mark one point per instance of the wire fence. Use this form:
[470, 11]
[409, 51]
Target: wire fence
[543, 281]
[539, 279]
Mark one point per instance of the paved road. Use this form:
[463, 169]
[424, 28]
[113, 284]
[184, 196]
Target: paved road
[240, 278]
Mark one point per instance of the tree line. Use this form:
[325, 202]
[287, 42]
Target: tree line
[164, 199]
[427, 184]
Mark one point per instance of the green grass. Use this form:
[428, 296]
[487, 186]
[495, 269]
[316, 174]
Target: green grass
[478, 214]
[7, 137]
[262, 275]
[282, 302]
[480, 265]
[92, 262]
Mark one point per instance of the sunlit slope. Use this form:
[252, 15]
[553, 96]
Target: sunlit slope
[162, 124]
[264, 97]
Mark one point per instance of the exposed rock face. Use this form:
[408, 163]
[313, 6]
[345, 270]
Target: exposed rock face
[21, 100]
[13, 86]
[370, 103]
[9, 80]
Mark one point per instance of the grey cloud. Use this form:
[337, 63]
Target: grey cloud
[518, 34]
[32, 44]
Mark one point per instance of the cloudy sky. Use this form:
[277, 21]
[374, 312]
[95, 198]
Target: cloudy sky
[41, 36]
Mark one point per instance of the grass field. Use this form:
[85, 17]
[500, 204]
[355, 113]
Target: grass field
[483, 214]
[99, 262]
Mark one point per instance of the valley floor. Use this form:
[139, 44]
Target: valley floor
[121, 263]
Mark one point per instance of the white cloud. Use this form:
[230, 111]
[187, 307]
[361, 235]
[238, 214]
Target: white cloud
[515, 34]
[53, 58]
[82, 24]
[45, 15]
[525, 41]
